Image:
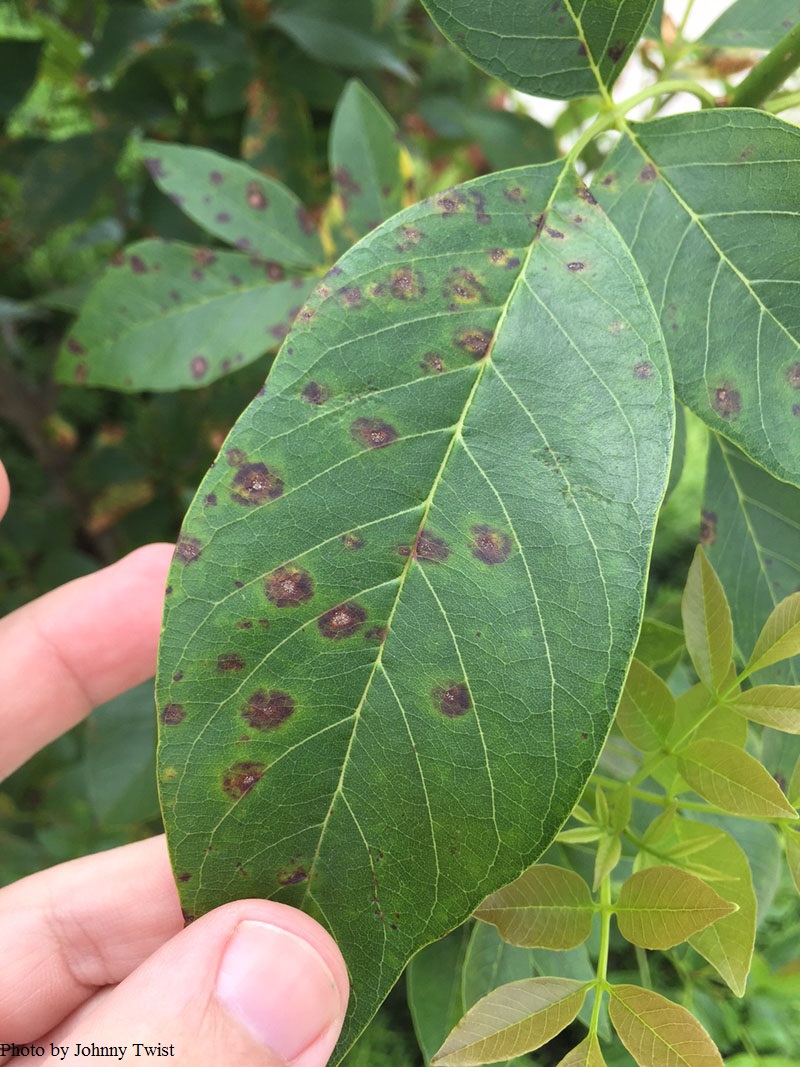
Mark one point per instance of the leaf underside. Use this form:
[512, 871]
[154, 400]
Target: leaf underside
[406, 594]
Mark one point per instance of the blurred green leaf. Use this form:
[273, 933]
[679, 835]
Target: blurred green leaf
[752, 24]
[19, 62]
[435, 997]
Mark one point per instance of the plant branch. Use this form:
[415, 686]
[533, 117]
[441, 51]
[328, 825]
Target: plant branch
[770, 73]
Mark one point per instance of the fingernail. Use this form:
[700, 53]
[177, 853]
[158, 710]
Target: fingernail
[278, 987]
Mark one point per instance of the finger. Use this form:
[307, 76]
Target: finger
[77, 647]
[78, 927]
[4, 490]
[254, 983]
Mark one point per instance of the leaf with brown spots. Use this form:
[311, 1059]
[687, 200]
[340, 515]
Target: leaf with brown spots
[418, 466]
[547, 48]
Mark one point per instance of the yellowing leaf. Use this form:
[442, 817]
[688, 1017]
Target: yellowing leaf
[512, 1020]
[707, 622]
[587, 1054]
[780, 637]
[658, 1033]
[646, 710]
[546, 907]
[732, 780]
[792, 841]
[777, 706]
[662, 906]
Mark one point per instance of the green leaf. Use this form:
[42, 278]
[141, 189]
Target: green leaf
[653, 28]
[169, 316]
[660, 644]
[587, 1054]
[646, 711]
[707, 623]
[752, 537]
[434, 982]
[661, 906]
[235, 203]
[780, 637]
[560, 50]
[777, 706]
[608, 856]
[749, 24]
[546, 907]
[709, 245]
[727, 777]
[514, 1019]
[692, 713]
[791, 840]
[384, 567]
[65, 179]
[658, 1033]
[491, 962]
[365, 161]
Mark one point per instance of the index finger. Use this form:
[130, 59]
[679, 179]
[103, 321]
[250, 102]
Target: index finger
[4, 490]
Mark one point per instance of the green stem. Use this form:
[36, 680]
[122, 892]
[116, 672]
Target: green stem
[685, 19]
[674, 85]
[783, 102]
[601, 982]
[770, 73]
[644, 968]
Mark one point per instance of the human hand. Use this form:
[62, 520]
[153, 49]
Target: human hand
[94, 951]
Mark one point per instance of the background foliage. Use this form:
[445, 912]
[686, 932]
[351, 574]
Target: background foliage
[104, 454]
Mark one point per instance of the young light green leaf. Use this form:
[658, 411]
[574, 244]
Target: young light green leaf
[749, 24]
[777, 706]
[707, 622]
[580, 835]
[587, 1054]
[434, 989]
[791, 841]
[608, 856]
[647, 709]
[692, 709]
[514, 1019]
[559, 50]
[621, 808]
[659, 1033]
[661, 906]
[780, 637]
[546, 907]
[236, 203]
[732, 780]
[751, 535]
[660, 644]
[705, 247]
[365, 161]
[660, 826]
[219, 311]
[406, 480]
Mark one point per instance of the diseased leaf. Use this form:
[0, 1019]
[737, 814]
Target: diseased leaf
[751, 533]
[169, 316]
[546, 907]
[236, 203]
[777, 706]
[646, 711]
[659, 1033]
[780, 637]
[365, 161]
[662, 906]
[587, 1054]
[514, 1019]
[707, 202]
[559, 50]
[380, 596]
[707, 623]
[751, 24]
[434, 982]
[732, 780]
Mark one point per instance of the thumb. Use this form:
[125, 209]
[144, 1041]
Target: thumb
[254, 983]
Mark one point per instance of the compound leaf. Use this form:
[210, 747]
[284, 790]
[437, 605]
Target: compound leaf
[169, 316]
[708, 204]
[512, 1020]
[369, 693]
[661, 906]
[561, 50]
[707, 623]
[659, 1033]
[546, 907]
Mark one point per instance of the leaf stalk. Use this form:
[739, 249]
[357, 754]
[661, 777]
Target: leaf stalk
[770, 73]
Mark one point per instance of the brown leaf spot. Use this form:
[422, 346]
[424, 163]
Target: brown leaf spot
[198, 367]
[210, 500]
[514, 194]
[351, 296]
[648, 173]
[255, 483]
[462, 288]
[616, 51]
[305, 219]
[255, 197]
[793, 376]
[342, 621]
[585, 194]
[215, 178]
[75, 346]
[479, 202]
[187, 550]
[138, 265]
[452, 699]
[266, 711]
[432, 363]
[314, 393]
[502, 257]
[289, 586]
[240, 778]
[796, 409]
[643, 370]
[292, 875]
[727, 402]
[352, 541]
[372, 433]
[474, 342]
[235, 457]
[489, 545]
[185, 877]
[431, 548]
[407, 284]
[377, 633]
[576, 266]
[609, 180]
[449, 203]
[203, 257]
[708, 528]
[229, 661]
[409, 237]
[173, 715]
[555, 234]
